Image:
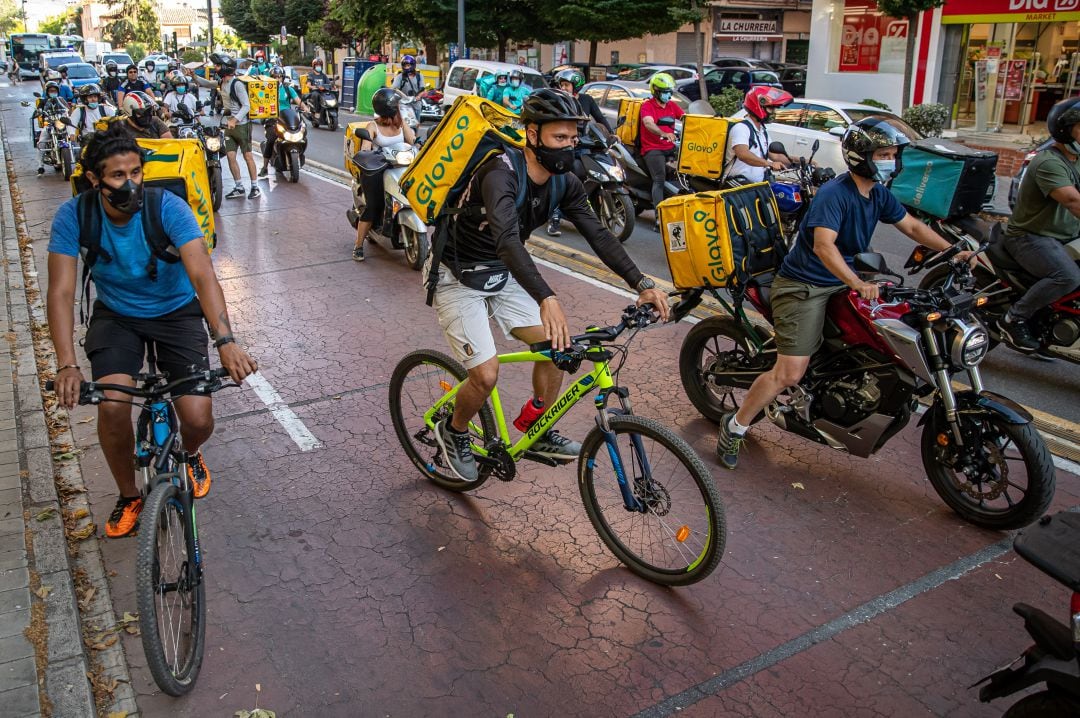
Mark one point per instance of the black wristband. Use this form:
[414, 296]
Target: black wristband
[228, 339]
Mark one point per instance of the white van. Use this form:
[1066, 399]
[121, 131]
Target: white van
[463, 75]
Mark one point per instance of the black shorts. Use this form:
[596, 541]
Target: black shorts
[116, 344]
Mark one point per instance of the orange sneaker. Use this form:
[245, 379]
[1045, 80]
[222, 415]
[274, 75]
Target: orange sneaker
[124, 517]
[199, 475]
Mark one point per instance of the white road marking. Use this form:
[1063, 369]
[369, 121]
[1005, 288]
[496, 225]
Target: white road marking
[288, 419]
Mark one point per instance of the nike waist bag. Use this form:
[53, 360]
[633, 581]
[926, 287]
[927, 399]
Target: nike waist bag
[704, 142]
[473, 130]
[716, 239]
[944, 179]
[629, 122]
[178, 166]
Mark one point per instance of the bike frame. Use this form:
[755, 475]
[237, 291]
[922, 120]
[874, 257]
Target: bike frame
[599, 379]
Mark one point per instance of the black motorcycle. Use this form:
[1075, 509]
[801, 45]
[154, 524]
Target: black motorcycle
[322, 108]
[291, 144]
[638, 181]
[1051, 545]
[604, 181]
[185, 125]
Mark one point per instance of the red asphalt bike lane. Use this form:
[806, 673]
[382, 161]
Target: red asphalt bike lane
[346, 584]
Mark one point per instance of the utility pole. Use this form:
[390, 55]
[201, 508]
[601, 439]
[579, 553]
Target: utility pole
[460, 28]
[209, 24]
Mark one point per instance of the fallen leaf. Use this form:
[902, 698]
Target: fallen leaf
[79, 514]
[102, 645]
[66, 456]
[46, 514]
[43, 592]
[87, 420]
[87, 596]
[797, 485]
[258, 688]
[118, 714]
[84, 533]
[133, 630]
[442, 548]
[129, 617]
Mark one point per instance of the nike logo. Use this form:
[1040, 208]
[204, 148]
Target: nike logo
[494, 281]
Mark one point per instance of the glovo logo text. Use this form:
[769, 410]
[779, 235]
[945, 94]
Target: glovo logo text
[702, 147]
[707, 225]
[425, 193]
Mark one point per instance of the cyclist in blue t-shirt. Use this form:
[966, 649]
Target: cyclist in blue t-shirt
[839, 225]
[136, 310]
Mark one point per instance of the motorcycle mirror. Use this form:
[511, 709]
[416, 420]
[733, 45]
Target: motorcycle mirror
[870, 262]
[37, 94]
[777, 148]
[837, 131]
[361, 133]
[815, 147]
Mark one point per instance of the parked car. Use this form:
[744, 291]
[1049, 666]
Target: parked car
[745, 62]
[793, 78]
[644, 73]
[804, 120]
[50, 62]
[81, 73]
[1014, 184]
[608, 95]
[122, 60]
[464, 73]
[717, 79]
[584, 68]
[158, 59]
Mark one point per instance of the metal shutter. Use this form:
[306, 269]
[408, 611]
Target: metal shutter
[731, 49]
[685, 47]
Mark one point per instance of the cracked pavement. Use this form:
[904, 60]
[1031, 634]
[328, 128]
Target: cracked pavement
[346, 584]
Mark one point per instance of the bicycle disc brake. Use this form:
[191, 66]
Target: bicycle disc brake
[653, 494]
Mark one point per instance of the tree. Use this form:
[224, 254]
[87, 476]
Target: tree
[611, 20]
[11, 17]
[133, 21]
[54, 25]
[239, 16]
[227, 40]
[910, 10]
[136, 50]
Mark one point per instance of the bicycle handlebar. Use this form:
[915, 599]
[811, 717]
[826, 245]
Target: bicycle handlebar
[633, 317]
[208, 381]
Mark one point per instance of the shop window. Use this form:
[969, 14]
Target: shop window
[871, 41]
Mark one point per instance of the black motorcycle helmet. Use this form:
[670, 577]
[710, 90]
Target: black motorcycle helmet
[868, 135]
[386, 102]
[575, 78]
[551, 105]
[110, 66]
[1061, 119]
[224, 64]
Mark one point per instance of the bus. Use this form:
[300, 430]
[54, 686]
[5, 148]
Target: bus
[24, 48]
[73, 42]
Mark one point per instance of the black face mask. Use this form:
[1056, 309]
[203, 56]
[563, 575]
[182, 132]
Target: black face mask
[144, 120]
[555, 161]
[128, 197]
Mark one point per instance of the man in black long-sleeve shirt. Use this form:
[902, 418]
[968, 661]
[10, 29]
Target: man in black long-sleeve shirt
[487, 272]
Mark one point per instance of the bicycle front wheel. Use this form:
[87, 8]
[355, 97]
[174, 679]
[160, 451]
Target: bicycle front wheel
[419, 381]
[675, 532]
[170, 592]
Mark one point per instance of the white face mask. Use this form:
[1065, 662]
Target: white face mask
[885, 169]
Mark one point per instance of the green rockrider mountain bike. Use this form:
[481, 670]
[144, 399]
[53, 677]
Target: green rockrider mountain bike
[647, 494]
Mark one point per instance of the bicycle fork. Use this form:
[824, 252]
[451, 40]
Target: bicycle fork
[641, 461]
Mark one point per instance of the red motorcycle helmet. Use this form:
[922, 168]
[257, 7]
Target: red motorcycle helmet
[759, 100]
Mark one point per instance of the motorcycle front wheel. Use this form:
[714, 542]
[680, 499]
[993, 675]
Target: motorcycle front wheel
[294, 166]
[717, 359]
[1002, 479]
[416, 247]
[68, 158]
[332, 123]
[616, 213]
[215, 187]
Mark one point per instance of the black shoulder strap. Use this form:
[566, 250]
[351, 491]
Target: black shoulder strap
[521, 169]
[753, 134]
[161, 247]
[232, 91]
[89, 215]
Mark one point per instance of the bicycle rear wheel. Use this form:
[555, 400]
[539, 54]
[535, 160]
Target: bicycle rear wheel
[677, 535]
[169, 591]
[419, 380]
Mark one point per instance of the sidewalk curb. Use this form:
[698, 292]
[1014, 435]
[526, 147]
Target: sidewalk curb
[72, 568]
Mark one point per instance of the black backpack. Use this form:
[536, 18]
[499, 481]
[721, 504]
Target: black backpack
[89, 212]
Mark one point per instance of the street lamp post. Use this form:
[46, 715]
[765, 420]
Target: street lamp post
[210, 26]
[461, 28]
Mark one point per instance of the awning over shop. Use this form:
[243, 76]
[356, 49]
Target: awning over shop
[963, 12]
[748, 38]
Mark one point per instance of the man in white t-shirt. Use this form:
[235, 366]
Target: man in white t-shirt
[749, 140]
[179, 95]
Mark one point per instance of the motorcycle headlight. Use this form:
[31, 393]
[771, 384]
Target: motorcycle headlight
[617, 173]
[331, 102]
[404, 157]
[213, 144]
[297, 136]
[58, 124]
[282, 129]
[969, 346]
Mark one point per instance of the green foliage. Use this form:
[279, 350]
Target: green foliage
[728, 102]
[927, 119]
[907, 8]
[136, 50]
[875, 103]
[11, 17]
[612, 20]
[258, 20]
[227, 40]
[191, 55]
[54, 25]
[136, 21]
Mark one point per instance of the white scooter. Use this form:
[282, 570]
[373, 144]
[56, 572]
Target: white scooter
[400, 224]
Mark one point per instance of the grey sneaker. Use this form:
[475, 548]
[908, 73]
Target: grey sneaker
[237, 192]
[254, 193]
[456, 451]
[728, 444]
[554, 445]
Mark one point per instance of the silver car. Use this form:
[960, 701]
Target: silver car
[609, 94]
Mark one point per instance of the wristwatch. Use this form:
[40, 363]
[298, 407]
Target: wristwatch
[643, 284]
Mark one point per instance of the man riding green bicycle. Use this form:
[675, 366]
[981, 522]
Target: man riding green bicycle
[491, 275]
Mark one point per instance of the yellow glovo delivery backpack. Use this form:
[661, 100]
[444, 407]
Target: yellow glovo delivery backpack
[178, 166]
[717, 239]
[262, 94]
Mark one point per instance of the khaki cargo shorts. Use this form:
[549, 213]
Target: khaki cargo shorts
[799, 315]
[238, 137]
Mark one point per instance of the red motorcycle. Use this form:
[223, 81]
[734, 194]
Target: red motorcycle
[980, 450]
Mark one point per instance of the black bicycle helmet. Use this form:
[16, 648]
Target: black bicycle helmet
[386, 102]
[1061, 119]
[868, 135]
[575, 78]
[550, 105]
